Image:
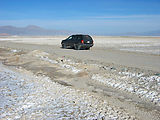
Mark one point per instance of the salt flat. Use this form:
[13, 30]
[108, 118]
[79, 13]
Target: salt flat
[114, 72]
[144, 44]
[141, 52]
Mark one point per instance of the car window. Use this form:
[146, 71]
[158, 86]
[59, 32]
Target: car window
[73, 37]
[87, 37]
[70, 38]
[79, 38]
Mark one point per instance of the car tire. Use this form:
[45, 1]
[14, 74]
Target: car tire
[77, 47]
[88, 48]
[64, 46]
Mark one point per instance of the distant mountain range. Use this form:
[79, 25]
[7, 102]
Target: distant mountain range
[152, 33]
[149, 33]
[33, 30]
[30, 30]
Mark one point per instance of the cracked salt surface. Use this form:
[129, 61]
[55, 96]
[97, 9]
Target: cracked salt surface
[25, 96]
[157, 51]
[15, 51]
[146, 87]
[44, 56]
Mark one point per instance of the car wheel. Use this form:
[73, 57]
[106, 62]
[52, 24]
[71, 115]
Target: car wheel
[77, 47]
[64, 46]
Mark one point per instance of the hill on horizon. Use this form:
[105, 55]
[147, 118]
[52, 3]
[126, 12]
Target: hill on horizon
[31, 30]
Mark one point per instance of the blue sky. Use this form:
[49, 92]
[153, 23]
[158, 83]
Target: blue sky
[89, 16]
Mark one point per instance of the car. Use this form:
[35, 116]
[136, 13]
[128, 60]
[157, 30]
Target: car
[78, 42]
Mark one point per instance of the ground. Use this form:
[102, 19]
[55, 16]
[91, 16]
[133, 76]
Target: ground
[119, 78]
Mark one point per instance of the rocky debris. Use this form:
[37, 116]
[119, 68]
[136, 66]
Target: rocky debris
[26, 96]
[15, 50]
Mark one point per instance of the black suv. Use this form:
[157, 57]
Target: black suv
[78, 42]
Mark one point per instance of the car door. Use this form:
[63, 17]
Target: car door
[73, 40]
[69, 40]
[76, 39]
[79, 38]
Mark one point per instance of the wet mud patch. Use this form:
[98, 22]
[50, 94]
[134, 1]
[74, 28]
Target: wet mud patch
[81, 74]
[62, 83]
[4, 53]
[51, 72]
[3, 50]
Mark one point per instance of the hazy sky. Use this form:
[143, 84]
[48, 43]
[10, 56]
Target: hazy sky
[92, 16]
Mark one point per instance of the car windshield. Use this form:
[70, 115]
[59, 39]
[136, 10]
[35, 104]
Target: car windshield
[70, 37]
